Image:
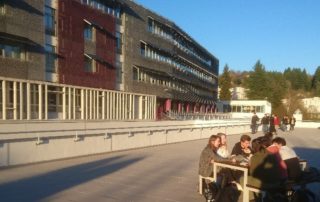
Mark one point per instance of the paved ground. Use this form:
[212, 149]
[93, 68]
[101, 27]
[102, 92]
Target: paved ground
[163, 173]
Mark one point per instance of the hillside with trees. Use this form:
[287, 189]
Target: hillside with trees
[292, 85]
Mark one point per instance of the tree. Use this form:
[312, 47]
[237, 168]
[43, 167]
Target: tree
[278, 88]
[298, 78]
[225, 84]
[257, 83]
[316, 82]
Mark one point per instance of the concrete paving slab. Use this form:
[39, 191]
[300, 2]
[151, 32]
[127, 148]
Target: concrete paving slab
[162, 173]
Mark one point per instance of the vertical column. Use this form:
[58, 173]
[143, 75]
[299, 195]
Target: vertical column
[118, 104]
[28, 101]
[98, 104]
[64, 107]
[21, 100]
[74, 104]
[167, 105]
[15, 101]
[130, 106]
[90, 104]
[126, 113]
[154, 107]
[40, 101]
[133, 106]
[82, 111]
[46, 102]
[108, 105]
[4, 100]
[70, 103]
[103, 96]
[94, 103]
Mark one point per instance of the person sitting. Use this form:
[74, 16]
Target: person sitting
[242, 150]
[264, 170]
[275, 150]
[290, 158]
[209, 155]
[223, 149]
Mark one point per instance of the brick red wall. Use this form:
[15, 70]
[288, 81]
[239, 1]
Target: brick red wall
[71, 15]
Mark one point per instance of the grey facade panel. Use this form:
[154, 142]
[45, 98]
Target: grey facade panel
[22, 24]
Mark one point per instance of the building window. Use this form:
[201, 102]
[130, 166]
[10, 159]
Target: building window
[89, 64]
[50, 58]
[11, 51]
[118, 41]
[88, 32]
[50, 21]
[2, 9]
[135, 73]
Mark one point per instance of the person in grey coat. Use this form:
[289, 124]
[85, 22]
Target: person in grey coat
[209, 155]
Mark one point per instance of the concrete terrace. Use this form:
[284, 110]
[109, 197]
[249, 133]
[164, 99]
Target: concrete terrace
[161, 173]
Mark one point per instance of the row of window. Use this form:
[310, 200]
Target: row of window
[150, 52]
[51, 58]
[50, 21]
[100, 5]
[89, 34]
[248, 109]
[2, 8]
[165, 32]
[140, 75]
[12, 51]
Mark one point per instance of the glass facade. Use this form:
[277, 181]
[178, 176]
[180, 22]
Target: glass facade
[184, 66]
[118, 41]
[103, 7]
[51, 58]
[11, 51]
[50, 23]
[169, 34]
[88, 32]
[248, 109]
[89, 65]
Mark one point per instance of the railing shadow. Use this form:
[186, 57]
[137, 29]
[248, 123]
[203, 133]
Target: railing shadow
[39, 187]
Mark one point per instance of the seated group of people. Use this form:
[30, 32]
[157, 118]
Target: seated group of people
[270, 161]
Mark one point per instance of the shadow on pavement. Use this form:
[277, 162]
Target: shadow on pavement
[39, 187]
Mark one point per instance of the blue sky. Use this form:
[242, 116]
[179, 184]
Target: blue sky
[279, 33]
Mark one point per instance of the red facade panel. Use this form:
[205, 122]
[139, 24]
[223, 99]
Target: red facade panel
[71, 42]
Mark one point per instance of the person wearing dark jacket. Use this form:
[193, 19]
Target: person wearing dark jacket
[254, 123]
[242, 148]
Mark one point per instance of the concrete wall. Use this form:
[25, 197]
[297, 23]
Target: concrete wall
[23, 143]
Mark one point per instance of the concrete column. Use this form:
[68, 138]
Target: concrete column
[21, 97]
[117, 108]
[133, 106]
[87, 104]
[28, 101]
[82, 111]
[113, 113]
[168, 105]
[90, 104]
[130, 106]
[46, 102]
[187, 107]
[4, 100]
[108, 105]
[70, 103]
[179, 107]
[40, 101]
[64, 104]
[15, 101]
[103, 96]
[74, 103]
